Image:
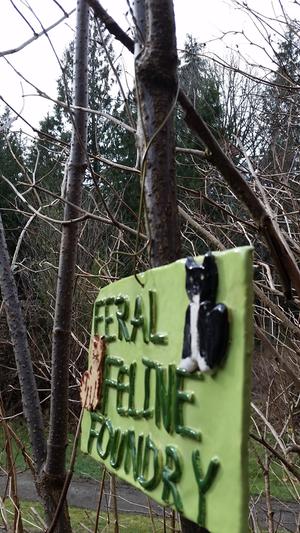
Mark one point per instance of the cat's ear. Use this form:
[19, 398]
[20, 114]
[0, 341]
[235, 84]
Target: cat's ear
[209, 263]
[209, 276]
[190, 264]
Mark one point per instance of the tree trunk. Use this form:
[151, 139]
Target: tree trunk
[156, 86]
[54, 474]
[18, 334]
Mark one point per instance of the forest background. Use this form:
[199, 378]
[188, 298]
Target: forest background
[252, 112]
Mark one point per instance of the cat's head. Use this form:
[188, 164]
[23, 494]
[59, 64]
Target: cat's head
[202, 279]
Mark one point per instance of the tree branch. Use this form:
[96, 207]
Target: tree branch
[281, 253]
[291, 468]
[35, 36]
[30, 398]
[111, 25]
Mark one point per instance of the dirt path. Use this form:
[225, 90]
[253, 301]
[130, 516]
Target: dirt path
[84, 493]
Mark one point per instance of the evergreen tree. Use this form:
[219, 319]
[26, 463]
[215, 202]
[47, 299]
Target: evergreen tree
[104, 185]
[12, 165]
[282, 109]
[105, 138]
[200, 81]
[224, 104]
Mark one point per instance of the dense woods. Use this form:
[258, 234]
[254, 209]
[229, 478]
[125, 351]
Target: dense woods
[217, 166]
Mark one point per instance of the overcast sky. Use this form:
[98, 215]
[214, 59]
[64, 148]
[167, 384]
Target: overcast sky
[206, 20]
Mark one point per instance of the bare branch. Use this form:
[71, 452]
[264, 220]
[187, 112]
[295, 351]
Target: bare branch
[111, 25]
[282, 255]
[35, 36]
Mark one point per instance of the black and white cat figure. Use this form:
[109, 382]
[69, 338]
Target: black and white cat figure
[206, 323]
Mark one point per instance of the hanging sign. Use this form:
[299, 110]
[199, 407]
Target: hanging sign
[166, 395]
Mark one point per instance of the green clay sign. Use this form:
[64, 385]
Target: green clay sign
[173, 415]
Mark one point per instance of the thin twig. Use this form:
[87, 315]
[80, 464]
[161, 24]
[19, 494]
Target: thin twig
[35, 36]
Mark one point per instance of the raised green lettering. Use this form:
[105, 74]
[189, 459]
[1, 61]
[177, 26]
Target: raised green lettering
[181, 397]
[122, 388]
[132, 411]
[97, 317]
[165, 394]
[165, 397]
[108, 382]
[106, 425]
[152, 483]
[122, 315]
[118, 448]
[134, 456]
[155, 337]
[171, 476]
[204, 483]
[108, 320]
[138, 321]
[95, 420]
[148, 411]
